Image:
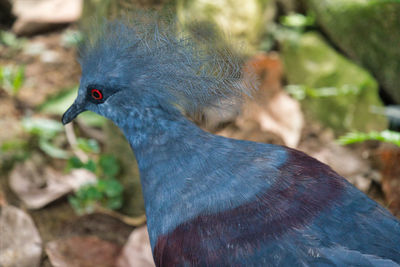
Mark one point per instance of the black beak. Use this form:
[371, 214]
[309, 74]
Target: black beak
[74, 110]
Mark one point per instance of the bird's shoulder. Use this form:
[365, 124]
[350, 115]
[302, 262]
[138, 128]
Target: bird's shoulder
[306, 214]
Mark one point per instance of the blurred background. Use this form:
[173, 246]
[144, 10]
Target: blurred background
[329, 85]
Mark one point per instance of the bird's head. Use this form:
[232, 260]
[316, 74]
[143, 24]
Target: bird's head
[133, 65]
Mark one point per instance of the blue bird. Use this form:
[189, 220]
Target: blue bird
[215, 201]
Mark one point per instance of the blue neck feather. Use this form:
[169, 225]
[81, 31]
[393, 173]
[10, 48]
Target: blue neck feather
[174, 156]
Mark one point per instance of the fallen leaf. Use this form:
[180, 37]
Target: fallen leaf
[2, 198]
[21, 245]
[80, 251]
[270, 111]
[37, 186]
[391, 178]
[137, 251]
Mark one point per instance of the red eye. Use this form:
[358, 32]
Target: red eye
[96, 94]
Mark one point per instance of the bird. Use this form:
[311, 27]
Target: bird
[212, 200]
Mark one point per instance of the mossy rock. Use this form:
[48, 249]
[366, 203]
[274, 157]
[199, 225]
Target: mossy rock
[311, 62]
[368, 32]
[245, 22]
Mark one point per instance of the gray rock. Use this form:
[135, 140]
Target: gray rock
[21, 245]
[35, 16]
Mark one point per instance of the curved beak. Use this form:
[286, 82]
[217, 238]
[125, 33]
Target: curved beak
[74, 110]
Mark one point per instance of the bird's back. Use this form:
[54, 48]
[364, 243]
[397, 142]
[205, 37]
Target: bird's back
[307, 215]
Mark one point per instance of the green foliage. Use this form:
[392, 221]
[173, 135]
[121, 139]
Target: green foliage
[58, 103]
[51, 150]
[45, 128]
[358, 137]
[298, 21]
[109, 165]
[76, 163]
[13, 151]
[12, 78]
[88, 145]
[45, 131]
[106, 192]
[13, 145]
[291, 27]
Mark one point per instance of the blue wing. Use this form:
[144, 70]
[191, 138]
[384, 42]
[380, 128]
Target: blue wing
[310, 216]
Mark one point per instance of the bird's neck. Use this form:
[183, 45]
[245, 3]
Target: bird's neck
[171, 153]
[154, 133]
[186, 171]
[162, 142]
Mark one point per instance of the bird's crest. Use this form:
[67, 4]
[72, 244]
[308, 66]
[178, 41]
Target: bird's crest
[192, 73]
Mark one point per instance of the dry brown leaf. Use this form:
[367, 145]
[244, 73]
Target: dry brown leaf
[271, 114]
[37, 186]
[80, 251]
[137, 251]
[391, 178]
[271, 107]
[3, 200]
[20, 244]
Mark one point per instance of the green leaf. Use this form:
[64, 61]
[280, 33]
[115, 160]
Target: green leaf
[90, 165]
[300, 92]
[46, 146]
[114, 203]
[18, 79]
[357, 137]
[109, 165]
[88, 145]
[14, 144]
[297, 20]
[12, 78]
[75, 163]
[60, 102]
[42, 127]
[92, 193]
[113, 188]
[105, 192]
[101, 185]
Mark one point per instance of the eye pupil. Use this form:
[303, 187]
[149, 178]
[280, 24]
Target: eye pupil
[96, 94]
